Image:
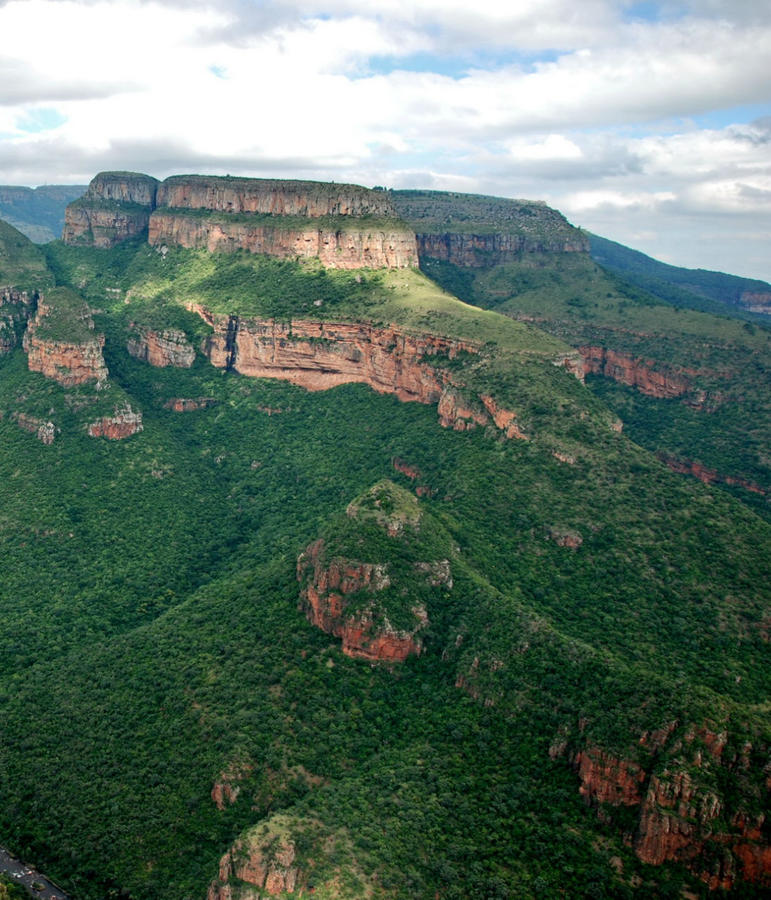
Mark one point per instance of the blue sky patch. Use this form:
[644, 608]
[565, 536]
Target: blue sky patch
[43, 119]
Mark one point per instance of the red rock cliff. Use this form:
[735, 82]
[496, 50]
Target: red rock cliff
[123, 187]
[116, 206]
[322, 355]
[69, 363]
[355, 246]
[122, 424]
[680, 819]
[327, 584]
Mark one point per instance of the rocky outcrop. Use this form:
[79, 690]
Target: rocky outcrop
[756, 301]
[475, 251]
[707, 475]
[275, 197]
[122, 424]
[123, 187]
[268, 865]
[327, 586]
[68, 362]
[680, 818]
[44, 431]
[115, 207]
[227, 786]
[647, 376]
[169, 347]
[15, 310]
[349, 245]
[189, 404]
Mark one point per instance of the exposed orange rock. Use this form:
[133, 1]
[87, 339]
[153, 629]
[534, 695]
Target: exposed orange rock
[43, 431]
[326, 584]
[707, 475]
[69, 363]
[638, 373]
[122, 424]
[123, 187]
[227, 787]
[607, 779]
[485, 250]
[169, 347]
[189, 404]
[566, 537]
[412, 472]
[356, 247]
[503, 418]
[677, 815]
[270, 868]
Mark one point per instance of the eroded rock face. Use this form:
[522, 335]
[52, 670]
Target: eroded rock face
[756, 301]
[352, 248]
[269, 867]
[680, 819]
[69, 363]
[278, 197]
[323, 355]
[189, 404]
[103, 228]
[326, 585]
[162, 348]
[636, 373]
[122, 424]
[472, 251]
[707, 475]
[124, 187]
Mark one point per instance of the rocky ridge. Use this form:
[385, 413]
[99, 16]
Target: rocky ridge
[345, 226]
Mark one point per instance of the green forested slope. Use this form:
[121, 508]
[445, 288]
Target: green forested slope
[152, 638]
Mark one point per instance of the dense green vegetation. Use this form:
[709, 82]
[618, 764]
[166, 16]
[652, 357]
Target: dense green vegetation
[152, 643]
[22, 264]
[724, 361]
[694, 288]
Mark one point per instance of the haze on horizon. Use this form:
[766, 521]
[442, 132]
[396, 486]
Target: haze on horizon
[648, 123]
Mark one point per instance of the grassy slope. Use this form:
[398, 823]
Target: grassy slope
[22, 264]
[578, 301]
[167, 640]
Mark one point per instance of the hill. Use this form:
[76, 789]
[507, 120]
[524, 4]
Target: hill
[688, 385]
[346, 588]
[37, 212]
[694, 288]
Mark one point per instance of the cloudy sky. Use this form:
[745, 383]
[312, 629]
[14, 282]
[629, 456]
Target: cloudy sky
[646, 122]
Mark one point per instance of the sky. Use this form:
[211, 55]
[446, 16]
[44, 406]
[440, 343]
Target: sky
[648, 123]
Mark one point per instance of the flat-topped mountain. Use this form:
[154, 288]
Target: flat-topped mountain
[345, 226]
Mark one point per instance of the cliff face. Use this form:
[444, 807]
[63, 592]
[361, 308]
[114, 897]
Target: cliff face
[680, 816]
[162, 348]
[68, 362]
[351, 248]
[276, 197]
[484, 250]
[102, 227]
[707, 475]
[328, 584]
[270, 867]
[322, 355]
[637, 373]
[756, 301]
[115, 207]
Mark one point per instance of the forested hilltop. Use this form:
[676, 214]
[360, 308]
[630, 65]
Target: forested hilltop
[319, 581]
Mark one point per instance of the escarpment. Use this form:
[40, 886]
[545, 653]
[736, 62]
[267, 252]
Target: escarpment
[15, 310]
[344, 226]
[167, 347]
[320, 355]
[474, 231]
[345, 244]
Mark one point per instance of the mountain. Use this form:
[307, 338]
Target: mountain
[694, 288]
[318, 581]
[689, 385]
[37, 212]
